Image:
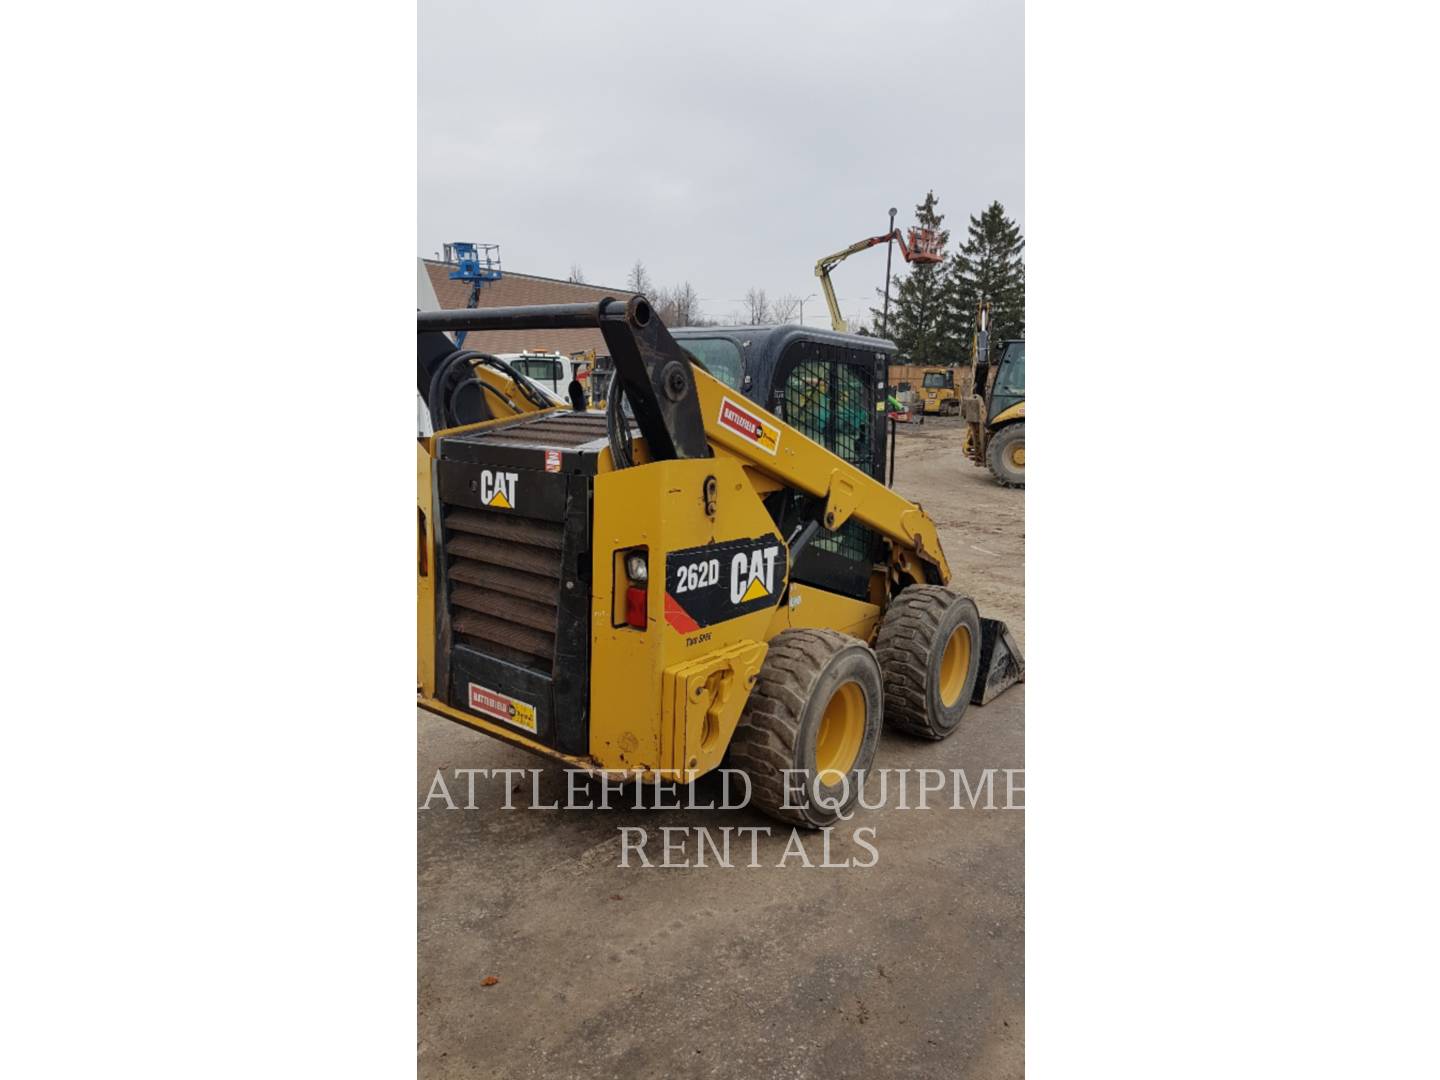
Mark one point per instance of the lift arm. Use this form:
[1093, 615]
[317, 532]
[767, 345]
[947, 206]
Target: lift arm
[919, 250]
[768, 445]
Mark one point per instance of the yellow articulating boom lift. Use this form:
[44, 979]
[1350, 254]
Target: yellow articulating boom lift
[924, 247]
[657, 588]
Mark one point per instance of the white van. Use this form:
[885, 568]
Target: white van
[551, 370]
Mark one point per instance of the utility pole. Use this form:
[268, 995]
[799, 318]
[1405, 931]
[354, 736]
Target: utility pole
[802, 308]
[885, 307]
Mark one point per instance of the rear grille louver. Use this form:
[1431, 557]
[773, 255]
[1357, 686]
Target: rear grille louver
[512, 523]
[503, 584]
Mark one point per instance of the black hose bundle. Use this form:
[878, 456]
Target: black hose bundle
[533, 393]
[445, 386]
[440, 398]
[617, 425]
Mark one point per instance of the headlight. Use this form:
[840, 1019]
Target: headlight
[635, 566]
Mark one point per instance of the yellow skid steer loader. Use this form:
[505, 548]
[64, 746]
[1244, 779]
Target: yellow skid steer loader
[684, 578]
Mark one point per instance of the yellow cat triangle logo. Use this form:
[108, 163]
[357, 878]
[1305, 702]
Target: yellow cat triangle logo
[498, 499]
[754, 591]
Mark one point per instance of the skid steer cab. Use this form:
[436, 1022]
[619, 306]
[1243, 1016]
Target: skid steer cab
[684, 577]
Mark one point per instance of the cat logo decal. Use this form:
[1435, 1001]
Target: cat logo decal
[497, 489]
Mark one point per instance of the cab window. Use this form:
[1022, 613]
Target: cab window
[1012, 370]
[721, 358]
[936, 378]
[540, 370]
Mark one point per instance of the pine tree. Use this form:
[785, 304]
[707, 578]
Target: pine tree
[917, 301]
[989, 266]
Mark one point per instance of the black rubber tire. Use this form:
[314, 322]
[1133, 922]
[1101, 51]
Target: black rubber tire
[998, 455]
[777, 729]
[911, 645]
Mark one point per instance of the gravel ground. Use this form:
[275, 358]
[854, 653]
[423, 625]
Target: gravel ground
[911, 967]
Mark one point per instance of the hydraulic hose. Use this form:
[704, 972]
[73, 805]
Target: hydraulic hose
[617, 428]
[438, 400]
[435, 399]
[483, 385]
[533, 393]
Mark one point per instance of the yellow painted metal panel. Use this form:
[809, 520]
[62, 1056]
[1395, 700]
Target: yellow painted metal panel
[814, 608]
[425, 581]
[661, 507]
[1014, 412]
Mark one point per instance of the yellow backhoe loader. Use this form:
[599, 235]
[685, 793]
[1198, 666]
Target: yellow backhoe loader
[687, 578]
[994, 410]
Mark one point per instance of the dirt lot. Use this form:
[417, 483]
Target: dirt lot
[912, 967]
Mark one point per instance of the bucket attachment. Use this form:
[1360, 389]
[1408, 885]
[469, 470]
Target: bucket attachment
[1001, 665]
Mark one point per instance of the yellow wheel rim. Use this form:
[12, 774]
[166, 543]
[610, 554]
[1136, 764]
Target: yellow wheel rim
[1017, 455]
[954, 666]
[842, 730]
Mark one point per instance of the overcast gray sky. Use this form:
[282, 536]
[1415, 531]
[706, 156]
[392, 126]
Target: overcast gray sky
[729, 145]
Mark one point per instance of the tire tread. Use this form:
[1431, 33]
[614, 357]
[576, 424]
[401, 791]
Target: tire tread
[903, 647]
[991, 457]
[764, 740]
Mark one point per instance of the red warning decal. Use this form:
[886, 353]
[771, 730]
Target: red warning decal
[746, 424]
[491, 703]
[678, 617]
[552, 460]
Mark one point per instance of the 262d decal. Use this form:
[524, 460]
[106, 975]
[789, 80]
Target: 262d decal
[697, 575]
[710, 584]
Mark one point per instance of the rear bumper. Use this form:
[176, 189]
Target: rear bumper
[505, 734]
[585, 764]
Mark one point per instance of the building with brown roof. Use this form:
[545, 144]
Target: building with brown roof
[517, 290]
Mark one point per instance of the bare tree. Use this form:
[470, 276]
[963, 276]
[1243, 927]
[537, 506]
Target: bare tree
[662, 302]
[784, 308]
[686, 302]
[679, 306]
[757, 306]
[577, 274]
[639, 281]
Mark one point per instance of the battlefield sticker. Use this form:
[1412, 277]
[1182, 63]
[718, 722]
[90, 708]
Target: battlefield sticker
[499, 706]
[749, 426]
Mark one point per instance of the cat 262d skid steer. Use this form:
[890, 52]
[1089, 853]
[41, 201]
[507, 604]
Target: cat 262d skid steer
[687, 577]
